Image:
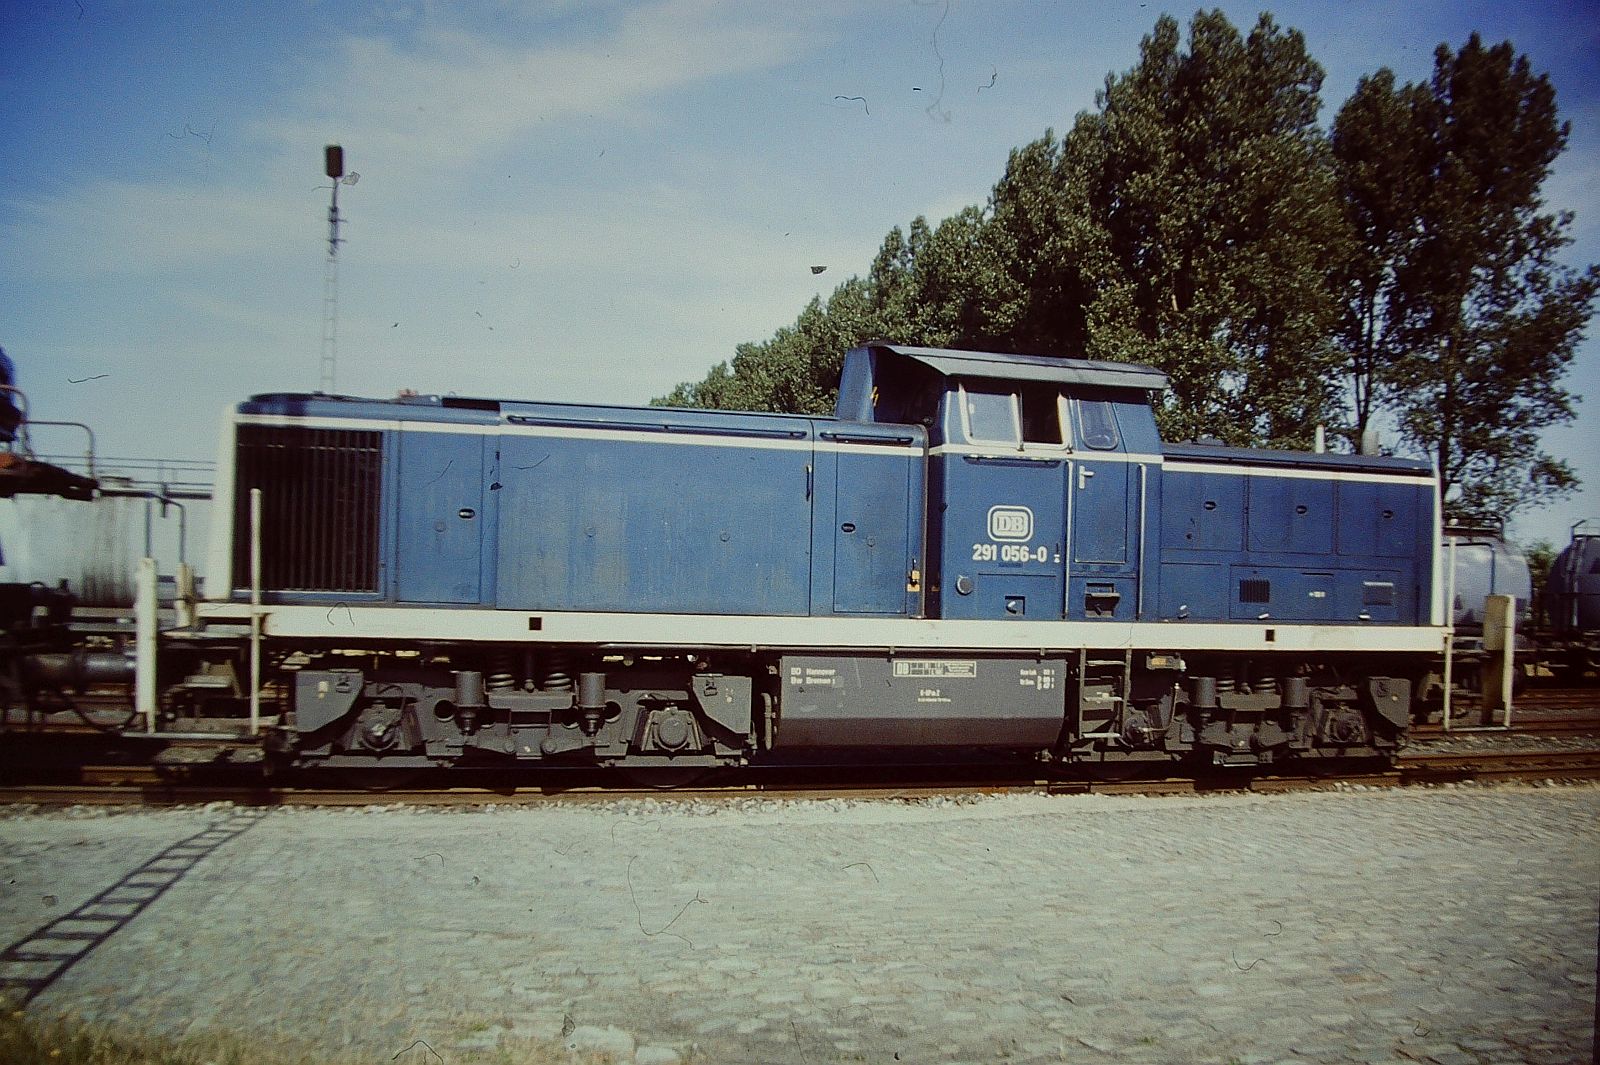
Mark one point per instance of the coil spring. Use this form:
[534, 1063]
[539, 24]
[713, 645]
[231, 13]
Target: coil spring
[1259, 680]
[500, 674]
[557, 676]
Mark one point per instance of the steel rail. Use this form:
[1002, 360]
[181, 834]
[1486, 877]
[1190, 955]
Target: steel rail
[144, 785]
[1556, 726]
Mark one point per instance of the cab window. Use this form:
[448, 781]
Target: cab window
[1099, 425]
[1042, 415]
[906, 392]
[990, 415]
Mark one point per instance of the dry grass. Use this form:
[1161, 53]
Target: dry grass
[27, 1039]
[30, 1039]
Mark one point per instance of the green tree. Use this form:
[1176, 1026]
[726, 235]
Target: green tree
[1460, 313]
[1038, 294]
[1541, 555]
[1375, 143]
[1208, 227]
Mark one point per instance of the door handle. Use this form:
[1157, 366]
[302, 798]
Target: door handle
[1083, 477]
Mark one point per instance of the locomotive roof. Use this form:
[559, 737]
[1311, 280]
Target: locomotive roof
[436, 408]
[1251, 456]
[953, 363]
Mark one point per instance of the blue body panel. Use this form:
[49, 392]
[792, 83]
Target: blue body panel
[534, 506]
[1002, 536]
[1084, 509]
[668, 527]
[1300, 538]
[440, 522]
[1380, 520]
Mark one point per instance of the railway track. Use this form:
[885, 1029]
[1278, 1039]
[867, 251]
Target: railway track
[1539, 726]
[149, 785]
[1559, 699]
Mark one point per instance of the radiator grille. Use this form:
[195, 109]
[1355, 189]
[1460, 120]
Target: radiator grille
[1255, 591]
[319, 508]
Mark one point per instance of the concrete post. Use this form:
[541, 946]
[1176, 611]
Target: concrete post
[1499, 645]
[145, 634]
[183, 603]
[1449, 630]
[255, 611]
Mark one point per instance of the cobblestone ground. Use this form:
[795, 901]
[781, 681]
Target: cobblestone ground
[1452, 926]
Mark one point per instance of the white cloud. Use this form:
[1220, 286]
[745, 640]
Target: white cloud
[434, 104]
[118, 227]
[420, 113]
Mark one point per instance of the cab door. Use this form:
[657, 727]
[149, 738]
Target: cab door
[998, 495]
[1100, 530]
[877, 534]
[1102, 579]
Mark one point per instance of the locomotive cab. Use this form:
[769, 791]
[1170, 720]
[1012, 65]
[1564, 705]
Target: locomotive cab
[1040, 475]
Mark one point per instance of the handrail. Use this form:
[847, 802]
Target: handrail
[866, 438]
[88, 458]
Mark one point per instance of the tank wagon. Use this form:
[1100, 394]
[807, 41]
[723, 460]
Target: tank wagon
[979, 553]
[1572, 604]
[1486, 564]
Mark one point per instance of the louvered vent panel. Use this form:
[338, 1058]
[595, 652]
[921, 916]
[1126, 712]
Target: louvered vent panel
[1255, 591]
[319, 508]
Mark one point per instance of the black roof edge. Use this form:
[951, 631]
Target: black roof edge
[1253, 456]
[951, 362]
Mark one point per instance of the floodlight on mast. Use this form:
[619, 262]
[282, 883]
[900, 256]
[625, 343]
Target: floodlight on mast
[333, 167]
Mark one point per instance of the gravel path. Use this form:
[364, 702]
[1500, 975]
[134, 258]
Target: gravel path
[1448, 925]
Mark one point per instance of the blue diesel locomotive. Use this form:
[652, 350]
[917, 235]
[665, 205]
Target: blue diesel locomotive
[980, 552]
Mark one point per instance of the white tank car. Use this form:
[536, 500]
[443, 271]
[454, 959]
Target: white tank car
[1486, 565]
[94, 546]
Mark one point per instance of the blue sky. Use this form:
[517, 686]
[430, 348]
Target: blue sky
[563, 200]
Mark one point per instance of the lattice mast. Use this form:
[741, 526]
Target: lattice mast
[333, 166]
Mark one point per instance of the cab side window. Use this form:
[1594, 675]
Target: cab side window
[990, 415]
[1041, 415]
[906, 393]
[1099, 425]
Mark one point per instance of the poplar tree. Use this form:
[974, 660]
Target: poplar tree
[1209, 227]
[1460, 314]
[1376, 142]
[1037, 234]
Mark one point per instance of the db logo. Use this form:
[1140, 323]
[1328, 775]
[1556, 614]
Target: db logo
[1010, 523]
